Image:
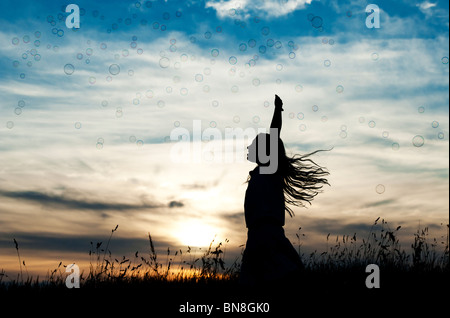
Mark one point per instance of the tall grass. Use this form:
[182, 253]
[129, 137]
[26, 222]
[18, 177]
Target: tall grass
[187, 267]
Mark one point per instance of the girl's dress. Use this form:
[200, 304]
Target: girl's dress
[268, 257]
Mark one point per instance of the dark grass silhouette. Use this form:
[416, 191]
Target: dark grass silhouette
[335, 275]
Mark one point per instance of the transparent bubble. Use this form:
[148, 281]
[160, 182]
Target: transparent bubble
[99, 145]
[16, 63]
[242, 47]
[207, 71]
[270, 42]
[214, 52]
[292, 55]
[198, 77]
[380, 189]
[37, 57]
[119, 112]
[361, 120]
[372, 124]
[444, 60]
[299, 88]
[265, 31]
[300, 116]
[108, 78]
[132, 139]
[302, 127]
[324, 119]
[69, 69]
[291, 115]
[9, 125]
[266, 103]
[176, 123]
[15, 41]
[262, 49]
[184, 91]
[374, 56]
[207, 35]
[212, 124]
[435, 124]
[206, 89]
[164, 62]
[37, 43]
[21, 103]
[441, 135]
[18, 111]
[385, 134]
[343, 134]
[395, 146]
[149, 93]
[256, 82]
[343, 128]
[139, 143]
[310, 16]
[24, 56]
[114, 69]
[169, 90]
[77, 125]
[418, 141]
[279, 67]
[136, 101]
[92, 80]
[339, 89]
[421, 109]
[215, 103]
[317, 22]
[315, 108]
[26, 38]
[327, 63]
[22, 75]
[161, 103]
[60, 33]
[234, 89]
[236, 119]
[256, 119]
[232, 60]
[103, 46]
[252, 43]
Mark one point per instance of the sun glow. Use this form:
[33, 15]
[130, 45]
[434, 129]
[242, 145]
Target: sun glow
[195, 233]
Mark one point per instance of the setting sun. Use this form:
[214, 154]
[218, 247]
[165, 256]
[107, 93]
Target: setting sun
[195, 233]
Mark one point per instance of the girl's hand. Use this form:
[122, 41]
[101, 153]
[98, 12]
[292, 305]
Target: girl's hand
[278, 103]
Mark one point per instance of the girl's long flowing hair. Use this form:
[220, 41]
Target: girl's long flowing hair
[302, 178]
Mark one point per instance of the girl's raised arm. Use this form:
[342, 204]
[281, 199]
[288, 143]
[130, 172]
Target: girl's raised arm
[276, 119]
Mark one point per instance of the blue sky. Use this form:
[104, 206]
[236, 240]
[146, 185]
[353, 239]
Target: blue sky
[83, 152]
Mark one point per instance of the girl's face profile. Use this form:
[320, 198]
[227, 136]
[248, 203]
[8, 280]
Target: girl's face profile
[251, 155]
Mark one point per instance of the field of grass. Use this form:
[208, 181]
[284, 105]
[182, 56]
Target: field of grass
[337, 273]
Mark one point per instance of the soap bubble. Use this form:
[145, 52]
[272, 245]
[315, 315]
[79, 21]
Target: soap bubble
[266, 103]
[114, 69]
[208, 35]
[316, 22]
[361, 120]
[256, 82]
[435, 124]
[279, 67]
[385, 134]
[242, 47]
[22, 75]
[339, 89]
[9, 125]
[327, 63]
[343, 128]
[262, 49]
[18, 111]
[418, 141]
[206, 88]
[300, 116]
[236, 119]
[139, 143]
[161, 104]
[265, 31]
[21, 103]
[374, 56]
[234, 89]
[291, 55]
[77, 125]
[441, 135]
[324, 119]
[99, 146]
[214, 52]
[252, 43]
[256, 119]
[302, 127]
[395, 146]
[444, 60]
[132, 139]
[212, 124]
[26, 38]
[315, 108]
[343, 134]
[421, 109]
[299, 88]
[380, 189]
[119, 112]
[184, 91]
[215, 103]
[232, 60]
[149, 93]
[92, 80]
[130, 72]
[15, 41]
[69, 69]
[198, 77]
[164, 62]
[372, 124]
[136, 101]
[291, 115]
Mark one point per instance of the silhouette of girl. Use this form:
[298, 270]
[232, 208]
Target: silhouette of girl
[269, 257]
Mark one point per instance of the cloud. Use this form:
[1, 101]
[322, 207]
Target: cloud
[263, 8]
